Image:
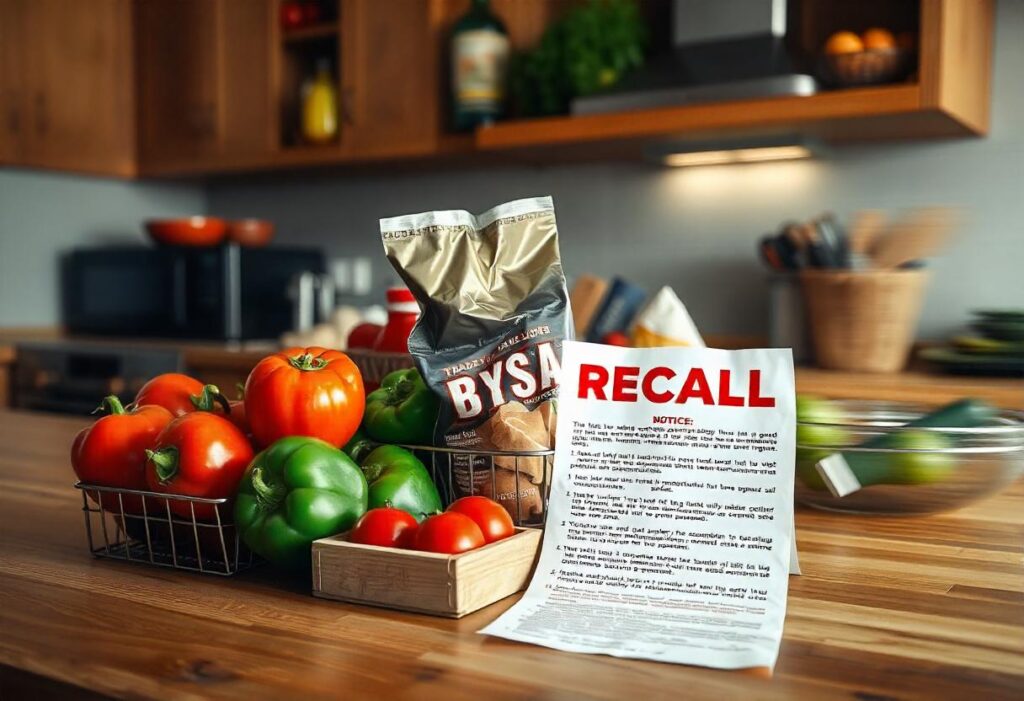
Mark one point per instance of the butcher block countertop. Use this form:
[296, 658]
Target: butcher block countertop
[887, 608]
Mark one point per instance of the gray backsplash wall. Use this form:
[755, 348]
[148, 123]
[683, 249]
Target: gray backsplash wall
[695, 229]
[44, 214]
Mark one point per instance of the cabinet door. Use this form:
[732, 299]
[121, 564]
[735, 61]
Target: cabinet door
[178, 75]
[245, 103]
[390, 70]
[13, 42]
[79, 98]
[204, 82]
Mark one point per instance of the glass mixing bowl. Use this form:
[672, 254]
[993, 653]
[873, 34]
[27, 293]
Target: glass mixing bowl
[930, 469]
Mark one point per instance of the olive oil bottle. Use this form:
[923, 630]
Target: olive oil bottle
[479, 54]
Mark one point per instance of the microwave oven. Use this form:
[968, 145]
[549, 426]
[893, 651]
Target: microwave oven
[226, 292]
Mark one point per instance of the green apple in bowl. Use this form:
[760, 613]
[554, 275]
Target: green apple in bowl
[819, 422]
[914, 467]
[818, 430]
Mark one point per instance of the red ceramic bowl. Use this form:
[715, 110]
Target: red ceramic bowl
[191, 231]
[251, 232]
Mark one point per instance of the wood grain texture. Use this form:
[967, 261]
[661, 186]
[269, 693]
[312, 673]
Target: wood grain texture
[917, 387]
[888, 608]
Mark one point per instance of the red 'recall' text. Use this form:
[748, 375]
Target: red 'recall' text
[661, 385]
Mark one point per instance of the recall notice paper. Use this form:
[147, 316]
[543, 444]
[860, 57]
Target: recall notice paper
[670, 523]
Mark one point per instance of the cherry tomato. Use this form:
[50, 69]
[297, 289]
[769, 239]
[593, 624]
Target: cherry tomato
[173, 391]
[489, 515]
[449, 533]
[112, 451]
[386, 526]
[198, 455]
[305, 392]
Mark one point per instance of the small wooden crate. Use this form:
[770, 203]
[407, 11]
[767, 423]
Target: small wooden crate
[442, 585]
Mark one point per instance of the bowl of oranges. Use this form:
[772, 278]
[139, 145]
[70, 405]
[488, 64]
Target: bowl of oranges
[873, 57]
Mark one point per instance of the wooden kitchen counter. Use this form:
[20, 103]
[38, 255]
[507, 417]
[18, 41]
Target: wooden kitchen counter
[887, 608]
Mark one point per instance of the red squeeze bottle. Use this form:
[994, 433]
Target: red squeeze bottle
[402, 314]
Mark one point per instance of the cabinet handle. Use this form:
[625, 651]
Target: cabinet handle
[202, 121]
[42, 119]
[210, 121]
[13, 119]
[194, 120]
[347, 110]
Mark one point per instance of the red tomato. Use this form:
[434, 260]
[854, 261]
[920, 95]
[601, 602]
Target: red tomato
[112, 451]
[198, 455]
[364, 335]
[616, 338]
[387, 527]
[172, 391]
[489, 515]
[305, 392]
[450, 533]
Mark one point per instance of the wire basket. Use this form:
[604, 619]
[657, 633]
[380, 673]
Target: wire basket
[141, 526]
[518, 480]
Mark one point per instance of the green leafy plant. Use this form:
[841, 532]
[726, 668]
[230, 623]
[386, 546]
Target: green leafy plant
[588, 50]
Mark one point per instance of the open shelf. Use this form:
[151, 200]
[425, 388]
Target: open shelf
[299, 61]
[827, 114]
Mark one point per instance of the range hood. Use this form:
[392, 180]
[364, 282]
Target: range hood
[721, 50]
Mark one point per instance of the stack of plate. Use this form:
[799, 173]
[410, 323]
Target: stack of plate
[996, 349]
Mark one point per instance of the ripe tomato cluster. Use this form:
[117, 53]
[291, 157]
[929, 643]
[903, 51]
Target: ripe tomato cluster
[469, 523]
[182, 437]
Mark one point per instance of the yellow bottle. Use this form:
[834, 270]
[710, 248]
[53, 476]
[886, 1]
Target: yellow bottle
[320, 107]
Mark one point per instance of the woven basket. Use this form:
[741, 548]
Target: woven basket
[869, 67]
[863, 320]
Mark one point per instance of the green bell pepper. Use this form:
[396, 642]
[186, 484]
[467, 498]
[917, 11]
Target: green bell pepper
[401, 410]
[397, 478]
[297, 490]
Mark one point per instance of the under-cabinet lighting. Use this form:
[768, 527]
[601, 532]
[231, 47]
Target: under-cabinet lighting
[741, 155]
[788, 147]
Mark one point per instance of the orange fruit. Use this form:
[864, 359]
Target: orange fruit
[843, 43]
[878, 38]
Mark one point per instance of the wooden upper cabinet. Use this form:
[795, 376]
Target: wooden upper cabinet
[390, 99]
[202, 81]
[67, 85]
[163, 87]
